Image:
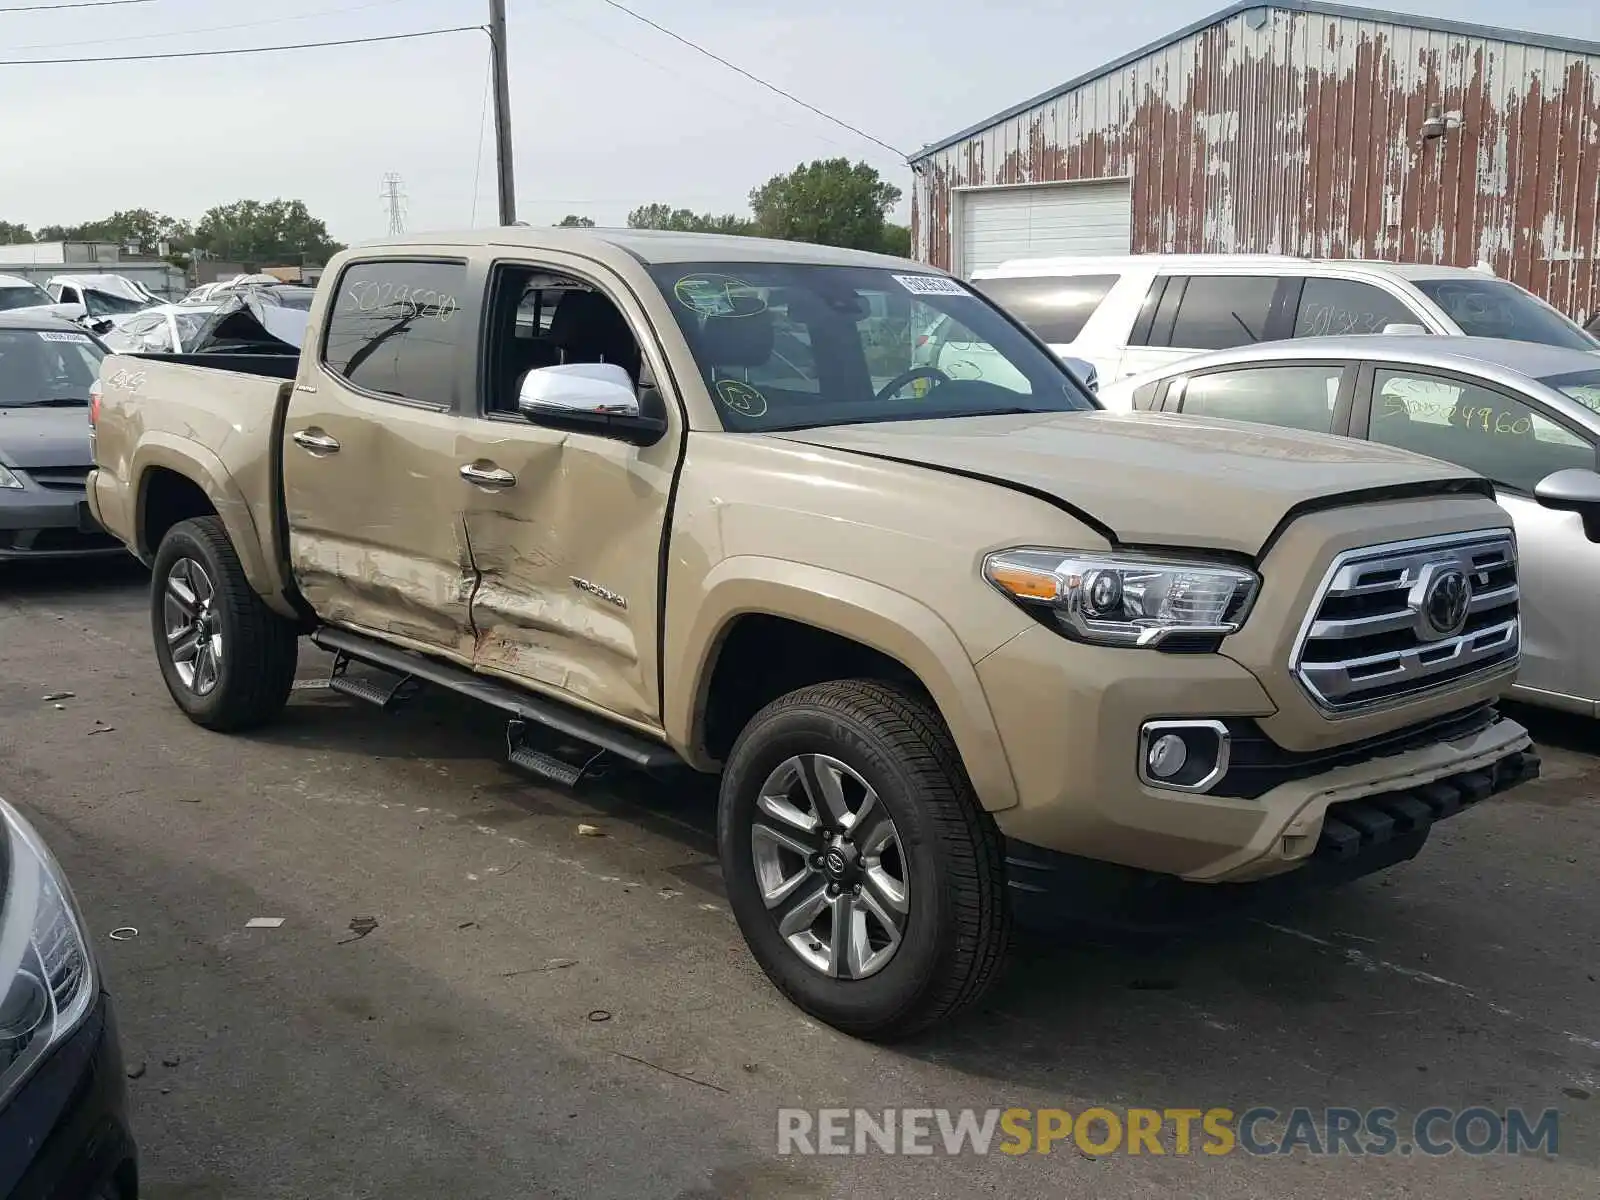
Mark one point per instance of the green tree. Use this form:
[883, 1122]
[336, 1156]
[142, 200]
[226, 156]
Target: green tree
[897, 240]
[135, 226]
[262, 233]
[664, 216]
[573, 221]
[13, 234]
[829, 201]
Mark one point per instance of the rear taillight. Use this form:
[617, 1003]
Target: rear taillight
[922, 340]
[94, 403]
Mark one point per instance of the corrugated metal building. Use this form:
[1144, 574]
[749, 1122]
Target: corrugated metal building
[1295, 127]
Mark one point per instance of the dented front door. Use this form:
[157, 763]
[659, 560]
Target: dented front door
[565, 532]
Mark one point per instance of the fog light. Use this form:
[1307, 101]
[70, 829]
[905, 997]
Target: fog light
[1183, 756]
[1167, 756]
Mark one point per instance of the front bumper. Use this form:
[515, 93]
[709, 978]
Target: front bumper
[1049, 890]
[64, 1135]
[56, 522]
[1069, 717]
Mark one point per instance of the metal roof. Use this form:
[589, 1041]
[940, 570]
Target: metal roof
[1310, 7]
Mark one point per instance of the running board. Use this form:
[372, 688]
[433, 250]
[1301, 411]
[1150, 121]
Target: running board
[369, 690]
[632, 748]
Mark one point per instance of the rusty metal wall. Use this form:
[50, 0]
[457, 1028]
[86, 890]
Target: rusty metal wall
[1301, 137]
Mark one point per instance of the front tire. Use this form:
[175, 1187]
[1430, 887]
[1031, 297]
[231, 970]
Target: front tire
[865, 876]
[228, 659]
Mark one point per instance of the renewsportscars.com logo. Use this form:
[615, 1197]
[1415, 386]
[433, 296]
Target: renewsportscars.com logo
[1260, 1130]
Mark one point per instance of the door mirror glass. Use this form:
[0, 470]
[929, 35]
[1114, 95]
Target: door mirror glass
[578, 390]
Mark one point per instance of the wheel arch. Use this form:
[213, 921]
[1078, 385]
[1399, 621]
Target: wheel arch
[843, 627]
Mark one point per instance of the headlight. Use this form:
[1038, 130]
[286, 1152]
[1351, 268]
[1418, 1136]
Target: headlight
[1112, 600]
[8, 480]
[47, 977]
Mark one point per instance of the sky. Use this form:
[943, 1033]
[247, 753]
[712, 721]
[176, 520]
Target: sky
[607, 113]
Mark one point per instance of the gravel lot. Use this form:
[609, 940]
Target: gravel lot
[537, 1013]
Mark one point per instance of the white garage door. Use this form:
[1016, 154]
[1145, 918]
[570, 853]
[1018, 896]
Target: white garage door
[1049, 219]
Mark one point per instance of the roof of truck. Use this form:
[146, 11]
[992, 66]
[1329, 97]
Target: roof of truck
[655, 246]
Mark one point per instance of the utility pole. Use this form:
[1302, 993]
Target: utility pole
[502, 112]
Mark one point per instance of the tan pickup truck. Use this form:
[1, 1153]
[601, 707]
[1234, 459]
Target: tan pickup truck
[961, 651]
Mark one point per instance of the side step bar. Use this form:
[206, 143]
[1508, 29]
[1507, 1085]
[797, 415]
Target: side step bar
[632, 748]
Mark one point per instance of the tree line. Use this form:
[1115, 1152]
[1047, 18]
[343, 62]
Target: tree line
[255, 233]
[832, 201]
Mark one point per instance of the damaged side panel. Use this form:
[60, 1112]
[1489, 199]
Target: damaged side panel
[376, 536]
[569, 563]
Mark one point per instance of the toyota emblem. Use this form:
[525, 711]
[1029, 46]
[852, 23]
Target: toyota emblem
[1445, 603]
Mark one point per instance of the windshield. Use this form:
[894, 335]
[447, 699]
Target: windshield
[104, 304]
[45, 366]
[1582, 386]
[1493, 308]
[793, 345]
[22, 295]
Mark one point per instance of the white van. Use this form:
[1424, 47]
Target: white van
[1136, 313]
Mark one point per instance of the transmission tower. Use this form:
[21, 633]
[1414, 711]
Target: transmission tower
[395, 199]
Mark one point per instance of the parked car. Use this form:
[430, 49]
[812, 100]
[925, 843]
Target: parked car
[1140, 312]
[47, 368]
[954, 654]
[63, 1095]
[1523, 414]
[164, 329]
[23, 296]
[106, 298]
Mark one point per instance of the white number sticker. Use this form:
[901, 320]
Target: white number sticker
[51, 336]
[930, 285]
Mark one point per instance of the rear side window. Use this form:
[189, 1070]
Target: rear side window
[1055, 308]
[1335, 307]
[1291, 397]
[394, 329]
[1218, 312]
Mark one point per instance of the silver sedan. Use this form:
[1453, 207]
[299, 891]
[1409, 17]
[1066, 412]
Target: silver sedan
[1524, 415]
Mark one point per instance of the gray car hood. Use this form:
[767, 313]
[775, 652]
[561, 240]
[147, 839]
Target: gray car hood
[31, 438]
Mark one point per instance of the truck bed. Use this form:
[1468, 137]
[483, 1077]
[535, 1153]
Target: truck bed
[218, 412]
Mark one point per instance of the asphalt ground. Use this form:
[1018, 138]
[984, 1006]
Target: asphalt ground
[467, 998]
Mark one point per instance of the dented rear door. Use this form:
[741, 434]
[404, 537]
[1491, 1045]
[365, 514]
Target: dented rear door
[376, 535]
[568, 542]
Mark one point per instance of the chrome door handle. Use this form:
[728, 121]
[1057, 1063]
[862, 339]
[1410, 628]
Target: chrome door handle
[317, 443]
[490, 477]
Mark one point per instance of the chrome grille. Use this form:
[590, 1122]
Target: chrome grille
[1395, 621]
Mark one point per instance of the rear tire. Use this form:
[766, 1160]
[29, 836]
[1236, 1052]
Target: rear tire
[228, 659]
[917, 882]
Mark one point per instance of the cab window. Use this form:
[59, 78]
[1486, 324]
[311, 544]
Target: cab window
[1056, 308]
[394, 329]
[1218, 312]
[1292, 397]
[1497, 435]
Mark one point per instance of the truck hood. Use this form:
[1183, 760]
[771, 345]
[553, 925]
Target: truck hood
[1156, 479]
[31, 438]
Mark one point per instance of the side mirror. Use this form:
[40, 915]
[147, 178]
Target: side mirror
[1573, 490]
[1084, 371]
[1404, 329]
[599, 397]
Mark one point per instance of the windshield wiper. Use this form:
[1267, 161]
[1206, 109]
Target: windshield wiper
[51, 402]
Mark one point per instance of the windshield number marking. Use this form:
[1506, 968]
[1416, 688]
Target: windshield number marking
[930, 285]
[51, 336]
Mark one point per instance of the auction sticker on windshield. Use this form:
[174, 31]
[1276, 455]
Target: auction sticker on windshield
[931, 285]
[51, 335]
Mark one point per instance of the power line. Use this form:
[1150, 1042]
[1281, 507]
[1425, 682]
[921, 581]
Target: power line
[166, 33]
[483, 125]
[771, 87]
[359, 41]
[75, 4]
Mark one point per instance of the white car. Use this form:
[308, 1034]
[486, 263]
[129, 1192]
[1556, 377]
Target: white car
[102, 297]
[948, 348]
[1138, 313]
[19, 295]
[164, 329]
